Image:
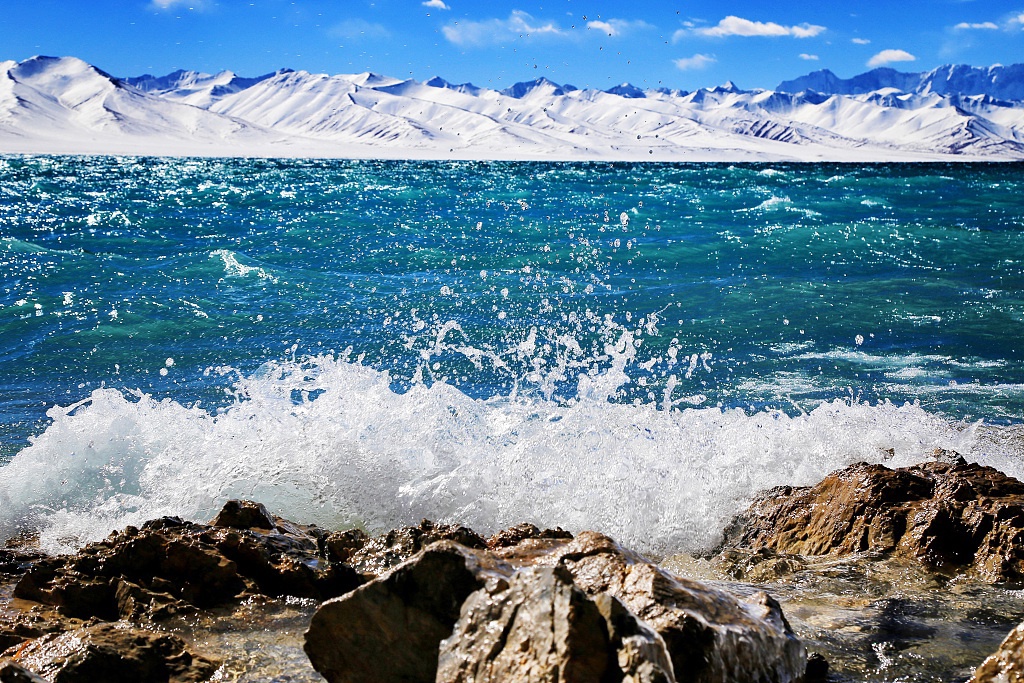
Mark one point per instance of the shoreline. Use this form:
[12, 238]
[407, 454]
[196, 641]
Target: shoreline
[871, 615]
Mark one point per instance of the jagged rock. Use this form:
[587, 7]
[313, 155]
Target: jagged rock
[515, 535]
[381, 553]
[1005, 665]
[817, 669]
[244, 514]
[107, 652]
[949, 515]
[11, 672]
[710, 634]
[148, 573]
[340, 545]
[539, 626]
[390, 628]
[641, 654]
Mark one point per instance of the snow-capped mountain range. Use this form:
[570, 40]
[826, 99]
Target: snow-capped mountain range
[64, 105]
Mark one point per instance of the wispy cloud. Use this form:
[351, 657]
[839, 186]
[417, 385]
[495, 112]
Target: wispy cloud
[354, 29]
[985, 25]
[889, 56]
[807, 57]
[495, 31]
[187, 4]
[618, 27]
[695, 62]
[737, 26]
[436, 4]
[860, 41]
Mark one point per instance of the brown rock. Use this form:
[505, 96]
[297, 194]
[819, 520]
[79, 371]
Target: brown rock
[641, 654]
[381, 553]
[710, 634]
[145, 574]
[1005, 665]
[341, 545]
[535, 628]
[389, 629]
[11, 672]
[950, 516]
[106, 652]
[515, 535]
[244, 514]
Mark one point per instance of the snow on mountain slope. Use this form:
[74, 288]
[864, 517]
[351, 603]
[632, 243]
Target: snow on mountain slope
[66, 105]
[998, 81]
[195, 88]
[65, 101]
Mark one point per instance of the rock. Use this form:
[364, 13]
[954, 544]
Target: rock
[244, 514]
[107, 652]
[515, 535]
[533, 607]
[381, 553]
[149, 573]
[641, 654]
[390, 628]
[339, 546]
[951, 516]
[537, 626]
[1005, 665]
[710, 635]
[817, 669]
[11, 672]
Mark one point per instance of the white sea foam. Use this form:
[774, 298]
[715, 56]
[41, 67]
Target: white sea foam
[328, 440]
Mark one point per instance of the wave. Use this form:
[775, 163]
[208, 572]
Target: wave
[329, 440]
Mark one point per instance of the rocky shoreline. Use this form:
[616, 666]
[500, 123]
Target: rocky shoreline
[860, 577]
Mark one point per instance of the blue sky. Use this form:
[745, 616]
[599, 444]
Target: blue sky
[685, 44]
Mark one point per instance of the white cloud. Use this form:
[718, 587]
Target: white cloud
[695, 62]
[617, 27]
[986, 25]
[860, 41]
[809, 58]
[890, 56]
[436, 4]
[354, 29]
[490, 31]
[187, 4]
[737, 26]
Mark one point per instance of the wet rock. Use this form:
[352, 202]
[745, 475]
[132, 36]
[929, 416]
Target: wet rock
[710, 635]
[390, 628]
[951, 516]
[515, 535]
[148, 573]
[640, 653]
[10, 672]
[1005, 665]
[513, 613]
[537, 626]
[107, 652]
[244, 514]
[379, 554]
[817, 669]
[339, 546]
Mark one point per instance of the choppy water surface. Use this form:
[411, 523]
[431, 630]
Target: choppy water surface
[633, 348]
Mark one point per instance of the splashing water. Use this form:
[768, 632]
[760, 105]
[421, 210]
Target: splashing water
[637, 349]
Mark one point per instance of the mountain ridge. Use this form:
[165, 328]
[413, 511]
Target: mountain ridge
[62, 104]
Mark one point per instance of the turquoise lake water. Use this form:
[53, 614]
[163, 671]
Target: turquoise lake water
[622, 346]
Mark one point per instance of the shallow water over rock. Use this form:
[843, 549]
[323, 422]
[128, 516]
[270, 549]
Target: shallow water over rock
[875, 620]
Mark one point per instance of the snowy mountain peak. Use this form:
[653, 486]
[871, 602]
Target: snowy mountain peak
[541, 86]
[997, 81]
[626, 90]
